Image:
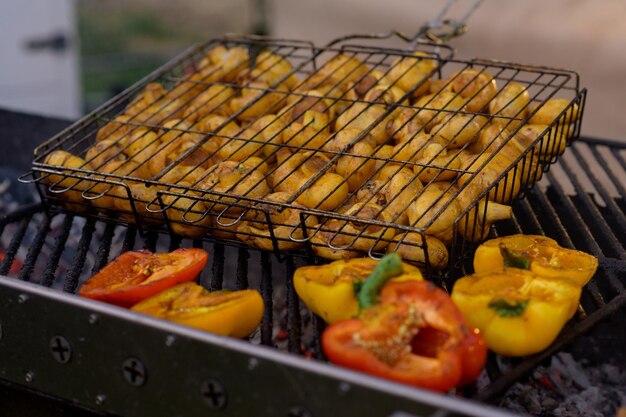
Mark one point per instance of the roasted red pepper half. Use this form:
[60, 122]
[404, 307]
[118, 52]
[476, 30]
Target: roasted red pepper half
[414, 335]
[135, 276]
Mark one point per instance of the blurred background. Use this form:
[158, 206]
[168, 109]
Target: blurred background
[64, 58]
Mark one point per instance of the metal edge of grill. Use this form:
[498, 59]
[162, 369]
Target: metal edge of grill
[159, 209]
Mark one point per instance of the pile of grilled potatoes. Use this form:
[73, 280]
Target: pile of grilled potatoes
[257, 151]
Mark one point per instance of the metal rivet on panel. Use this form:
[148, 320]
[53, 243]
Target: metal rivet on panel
[134, 372]
[214, 394]
[29, 377]
[93, 318]
[344, 387]
[22, 298]
[60, 349]
[252, 363]
[170, 339]
[100, 399]
[298, 411]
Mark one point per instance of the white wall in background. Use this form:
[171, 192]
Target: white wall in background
[39, 57]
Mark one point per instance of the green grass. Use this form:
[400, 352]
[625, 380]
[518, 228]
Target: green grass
[113, 49]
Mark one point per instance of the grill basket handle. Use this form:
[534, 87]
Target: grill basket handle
[438, 30]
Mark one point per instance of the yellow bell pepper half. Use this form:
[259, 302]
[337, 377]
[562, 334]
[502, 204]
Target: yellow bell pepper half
[518, 313]
[539, 254]
[227, 313]
[329, 290]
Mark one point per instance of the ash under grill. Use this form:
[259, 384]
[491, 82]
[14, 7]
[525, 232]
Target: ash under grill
[577, 203]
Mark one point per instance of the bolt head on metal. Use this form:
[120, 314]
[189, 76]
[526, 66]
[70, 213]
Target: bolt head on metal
[298, 411]
[29, 377]
[93, 318]
[214, 394]
[170, 339]
[22, 298]
[100, 399]
[60, 349]
[134, 372]
[252, 363]
[344, 387]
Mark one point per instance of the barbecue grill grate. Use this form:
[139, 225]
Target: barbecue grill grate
[176, 199]
[579, 204]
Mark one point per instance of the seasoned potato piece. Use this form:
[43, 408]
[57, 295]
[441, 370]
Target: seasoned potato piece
[294, 170]
[357, 169]
[436, 107]
[362, 86]
[232, 62]
[187, 216]
[273, 68]
[184, 173]
[345, 137]
[412, 149]
[361, 116]
[424, 212]
[510, 105]
[405, 125]
[142, 196]
[476, 86]
[72, 187]
[327, 237]
[213, 100]
[269, 129]
[435, 158]
[459, 129]
[256, 100]
[102, 152]
[154, 106]
[326, 193]
[549, 110]
[475, 225]
[362, 236]
[116, 130]
[393, 188]
[234, 178]
[286, 224]
[313, 132]
[245, 144]
[554, 141]
[409, 72]
[341, 69]
[413, 247]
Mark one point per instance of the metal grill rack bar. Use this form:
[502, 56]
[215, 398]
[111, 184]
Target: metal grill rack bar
[279, 121]
[580, 208]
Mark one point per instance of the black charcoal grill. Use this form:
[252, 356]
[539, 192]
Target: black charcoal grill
[112, 361]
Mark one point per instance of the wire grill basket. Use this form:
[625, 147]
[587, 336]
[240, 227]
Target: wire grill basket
[333, 151]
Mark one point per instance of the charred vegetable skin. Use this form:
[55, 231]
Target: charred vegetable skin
[135, 276]
[539, 254]
[519, 313]
[227, 313]
[413, 334]
[330, 291]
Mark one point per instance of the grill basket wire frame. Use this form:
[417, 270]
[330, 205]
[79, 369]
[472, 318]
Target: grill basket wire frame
[574, 218]
[89, 186]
